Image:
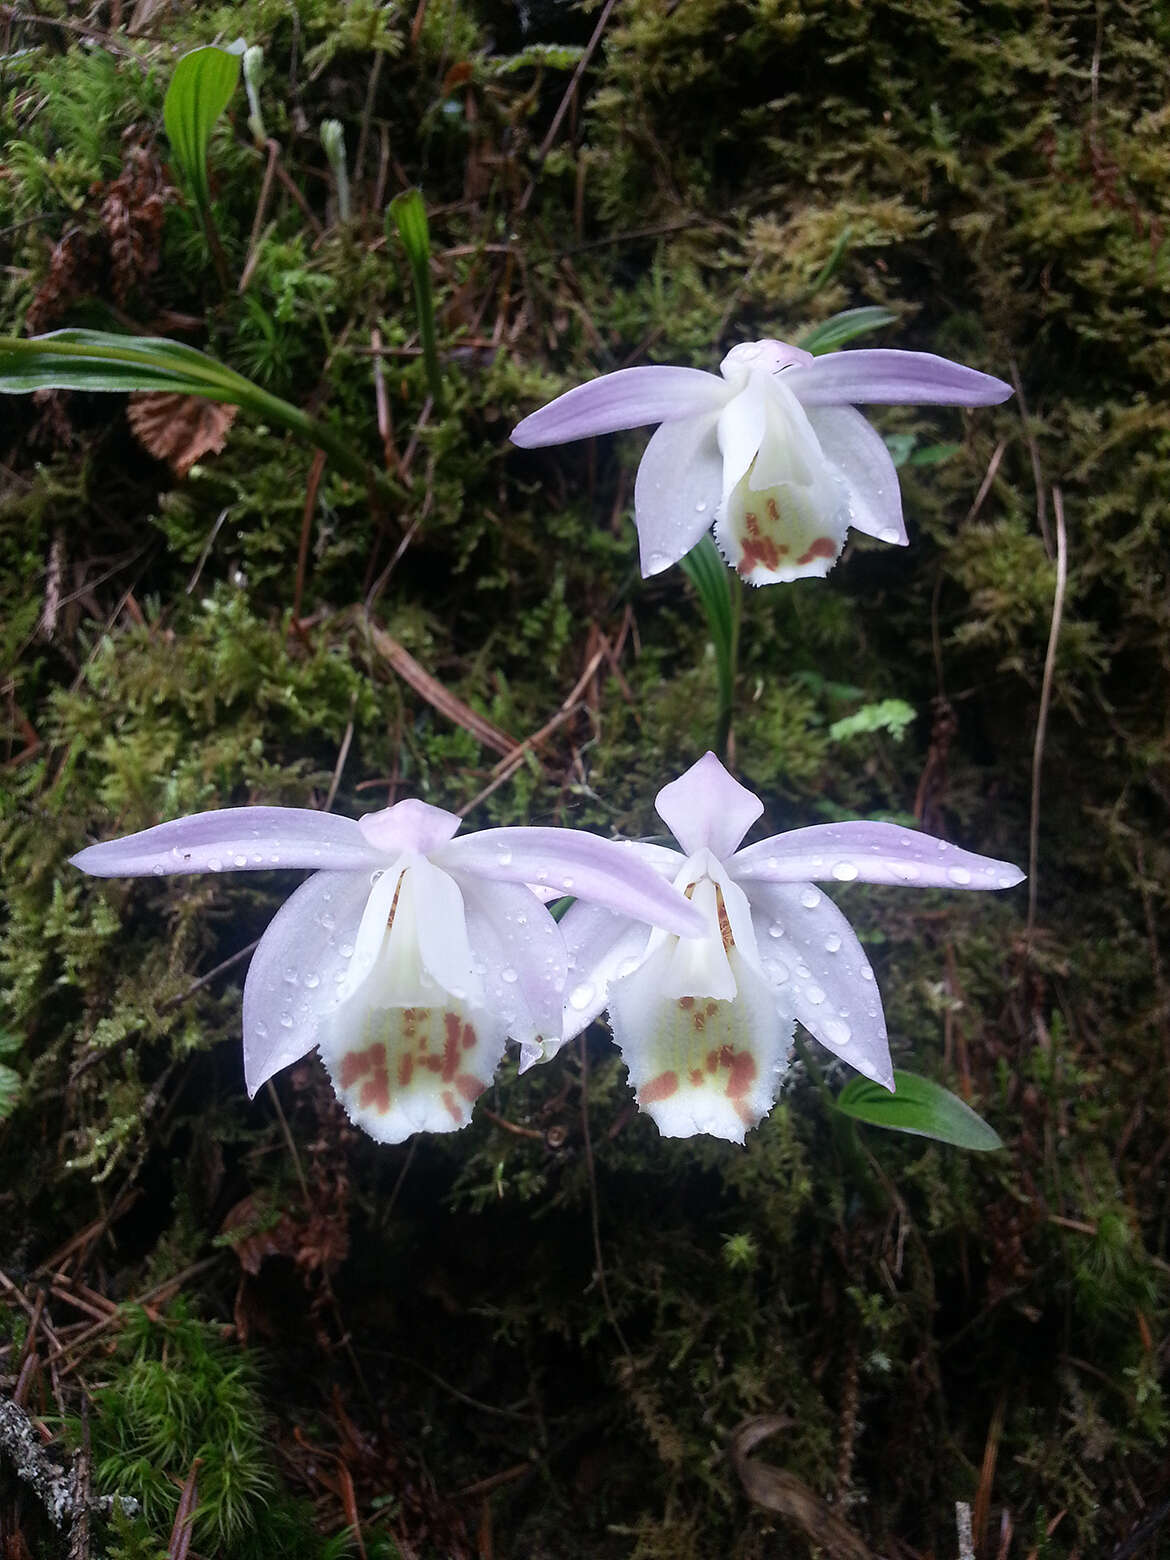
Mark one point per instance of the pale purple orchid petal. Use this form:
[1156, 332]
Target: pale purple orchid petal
[741, 428]
[409, 825]
[521, 955]
[818, 973]
[883, 374]
[631, 398]
[297, 973]
[677, 490]
[700, 1064]
[706, 807]
[868, 853]
[602, 947]
[234, 838]
[574, 862]
[443, 942]
[861, 458]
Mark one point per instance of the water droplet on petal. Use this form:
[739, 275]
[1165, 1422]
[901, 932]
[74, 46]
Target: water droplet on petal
[286, 1021]
[312, 980]
[566, 882]
[833, 944]
[261, 1029]
[505, 858]
[775, 930]
[240, 861]
[346, 950]
[906, 870]
[215, 864]
[521, 920]
[815, 995]
[959, 875]
[865, 972]
[291, 976]
[810, 899]
[835, 1032]
[158, 869]
[701, 507]
[888, 534]
[656, 562]
[1007, 882]
[864, 1065]
[803, 972]
[844, 871]
[508, 974]
[581, 996]
[328, 921]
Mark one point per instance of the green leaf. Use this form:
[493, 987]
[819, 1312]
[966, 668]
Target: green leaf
[103, 360]
[920, 1107]
[410, 218]
[900, 446]
[200, 90]
[892, 715]
[934, 454]
[835, 332]
[557, 56]
[716, 587]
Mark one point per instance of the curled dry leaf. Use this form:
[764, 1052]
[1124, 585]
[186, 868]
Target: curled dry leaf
[777, 1490]
[179, 429]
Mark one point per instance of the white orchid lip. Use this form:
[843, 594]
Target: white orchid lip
[410, 956]
[775, 950]
[770, 450]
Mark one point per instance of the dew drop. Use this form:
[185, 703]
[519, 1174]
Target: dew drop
[656, 562]
[959, 875]
[701, 507]
[346, 950]
[158, 869]
[833, 944]
[508, 974]
[844, 871]
[942, 845]
[286, 1021]
[215, 864]
[836, 1032]
[240, 861]
[581, 996]
[261, 1029]
[864, 1065]
[888, 534]
[815, 995]
[328, 921]
[803, 972]
[1007, 882]
[312, 980]
[865, 972]
[566, 882]
[505, 858]
[291, 976]
[627, 967]
[906, 870]
[521, 920]
[810, 899]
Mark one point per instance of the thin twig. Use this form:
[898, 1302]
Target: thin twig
[1034, 456]
[594, 1219]
[553, 129]
[1045, 699]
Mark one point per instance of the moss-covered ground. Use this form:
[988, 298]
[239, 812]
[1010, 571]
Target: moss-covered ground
[539, 1337]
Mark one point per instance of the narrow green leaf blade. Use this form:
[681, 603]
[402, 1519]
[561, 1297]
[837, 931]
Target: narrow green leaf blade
[835, 332]
[920, 1107]
[200, 90]
[104, 360]
[409, 214]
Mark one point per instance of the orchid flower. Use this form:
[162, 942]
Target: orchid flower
[773, 452]
[704, 1023]
[409, 956]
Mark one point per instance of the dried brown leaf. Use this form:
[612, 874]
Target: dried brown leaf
[179, 429]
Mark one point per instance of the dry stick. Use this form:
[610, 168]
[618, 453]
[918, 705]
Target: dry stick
[594, 1219]
[553, 129]
[342, 755]
[1034, 456]
[315, 472]
[1045, 699]
[204, 980]
[258, 220]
